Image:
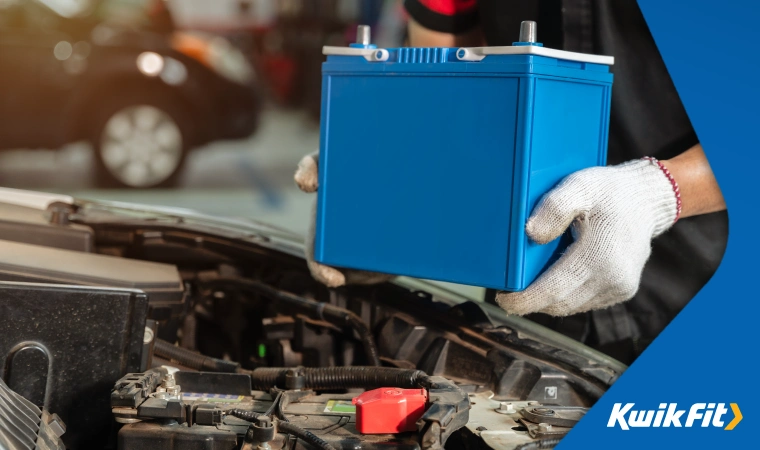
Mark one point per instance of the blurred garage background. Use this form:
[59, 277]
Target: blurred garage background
[199, 104]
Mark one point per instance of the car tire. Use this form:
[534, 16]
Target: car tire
[141, 141]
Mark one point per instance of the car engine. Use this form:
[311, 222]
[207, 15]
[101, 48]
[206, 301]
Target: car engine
[136, 328]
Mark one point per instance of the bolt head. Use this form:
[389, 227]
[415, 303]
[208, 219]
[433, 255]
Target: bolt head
[506, 408]
[148, 336]
[169, 381]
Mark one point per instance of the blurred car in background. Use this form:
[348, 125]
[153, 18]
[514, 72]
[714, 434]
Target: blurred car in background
[284, 39]
[118, 74]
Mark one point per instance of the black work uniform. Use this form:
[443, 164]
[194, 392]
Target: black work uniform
[647, 119]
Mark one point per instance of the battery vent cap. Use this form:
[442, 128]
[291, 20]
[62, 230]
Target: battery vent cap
[389, 410]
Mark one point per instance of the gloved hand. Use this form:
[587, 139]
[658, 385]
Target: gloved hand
[615, 213]
[307, 179]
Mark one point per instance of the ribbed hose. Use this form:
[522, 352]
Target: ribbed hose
[250, 416]
[193, 360]
[539, 445]
[307, 436]
[316, 310]
[333, 378]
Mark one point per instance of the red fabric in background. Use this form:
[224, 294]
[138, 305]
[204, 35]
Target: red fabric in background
[449, 7]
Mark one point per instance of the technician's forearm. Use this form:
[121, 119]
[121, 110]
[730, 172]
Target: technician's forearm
[700, 193]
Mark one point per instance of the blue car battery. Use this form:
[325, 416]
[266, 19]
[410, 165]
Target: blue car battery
[432, 159]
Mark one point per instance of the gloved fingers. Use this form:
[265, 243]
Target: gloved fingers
[617, 280]
[329, 276]
[326, 275]
[562, 284]
[307, 174]
[334, 277]
[557, 210]
[615, 292]
[573, 302]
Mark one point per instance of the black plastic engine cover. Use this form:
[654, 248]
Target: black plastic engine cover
[64, 347]
[39, 264]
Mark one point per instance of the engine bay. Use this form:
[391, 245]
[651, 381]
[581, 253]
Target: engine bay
[145, 329]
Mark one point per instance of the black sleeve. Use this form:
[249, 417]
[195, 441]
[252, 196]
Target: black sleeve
[446, 16]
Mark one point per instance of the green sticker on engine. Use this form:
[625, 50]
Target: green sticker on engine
[340, 406]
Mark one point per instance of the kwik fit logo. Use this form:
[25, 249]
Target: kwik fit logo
[669, 415]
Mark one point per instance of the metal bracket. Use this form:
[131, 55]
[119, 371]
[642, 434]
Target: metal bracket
[561, 416]
[479, 53]
[544, 430]
[370, 54]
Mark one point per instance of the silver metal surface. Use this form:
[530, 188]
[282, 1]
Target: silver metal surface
[125, 421]
[528, 31]
[506, 408]
[370, 54]
[505, 425]
[543, 430]
[148, 336]
[363, 35]
[125, 415]
[169, 388]
[480, 53]
[563, 416]
[168, 381]
[56, 424]
[499, 430]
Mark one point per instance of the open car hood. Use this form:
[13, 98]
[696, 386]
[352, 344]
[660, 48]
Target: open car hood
[192, 267]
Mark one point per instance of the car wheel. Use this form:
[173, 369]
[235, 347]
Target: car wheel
[141, 145]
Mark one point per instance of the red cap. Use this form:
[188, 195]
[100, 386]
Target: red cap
[389, 410]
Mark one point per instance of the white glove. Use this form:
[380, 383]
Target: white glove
[307, 179]
[615, 213]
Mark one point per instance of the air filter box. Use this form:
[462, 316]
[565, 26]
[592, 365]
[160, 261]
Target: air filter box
[432, 159]
[38, 264]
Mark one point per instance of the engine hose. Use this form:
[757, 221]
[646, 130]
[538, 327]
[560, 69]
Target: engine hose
[193, 360]
[332, 378]
[273, 408]
[539, 445]
[306, 436]
[336, 315]
[250, 416]
[314, 309]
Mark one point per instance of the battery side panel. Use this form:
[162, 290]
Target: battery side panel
[566, 138]
[434, 185]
